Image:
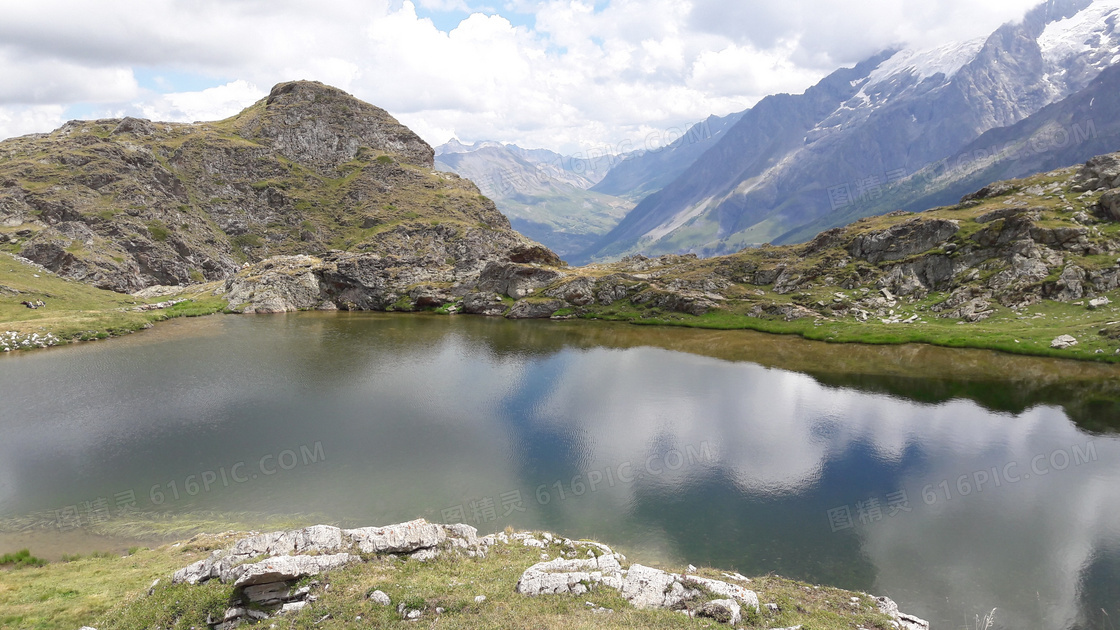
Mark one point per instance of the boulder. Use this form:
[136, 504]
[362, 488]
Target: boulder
[744, 596]
[1070, 285]
[278, 285]
[516, 280]
[646, 587]
[580, 291]
[535, 253]
[557, 577]
[403, 538]
[267, 594]
[1103, 168]
[691, 302]
[1069, 238]
[904, 621]
[284, 568]
[380, 598]
[489, 304]
[292, 607]
[526, 309]
[721, 610]
[426, 296]
[616, 287]
[1001, 213]
[1063, 342]
[991, 190]
[314, 539]
[462, 535]
[1110, 205]
[1099, 302]
[902, 240]
[788, 312]
[972, 311]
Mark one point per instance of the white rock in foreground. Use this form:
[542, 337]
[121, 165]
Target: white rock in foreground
[1063, 342]
[285, 568]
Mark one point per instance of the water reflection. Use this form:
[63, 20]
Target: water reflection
[724, 448]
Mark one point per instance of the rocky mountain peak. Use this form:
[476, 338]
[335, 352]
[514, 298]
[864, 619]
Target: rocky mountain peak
[321, 126]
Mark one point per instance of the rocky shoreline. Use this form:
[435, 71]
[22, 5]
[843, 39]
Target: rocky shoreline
[287, 572]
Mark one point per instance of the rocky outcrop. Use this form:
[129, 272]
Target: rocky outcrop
[424, 267]
[533, 309]
[489, 304]
[268, 573]
[690, 302]
[579, 292]
[1110, 205]
[904, 621]
[321, 126]
[286, 568]
[902, 240]
[1100, 173]
[278, 285]
[267, 587]
[642, 586]
[516, 280]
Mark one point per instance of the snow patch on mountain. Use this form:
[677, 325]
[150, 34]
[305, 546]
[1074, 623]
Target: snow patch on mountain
[1090, 29]
[946, 60]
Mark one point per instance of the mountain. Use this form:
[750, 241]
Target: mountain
[794, 159]
[654, 166]
[125, 204]
[1084, 124]
[544, 194]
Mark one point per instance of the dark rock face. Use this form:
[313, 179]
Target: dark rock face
[524, 309]
[902, 240]
[489, 304]
[514, 280]
[1110, 205]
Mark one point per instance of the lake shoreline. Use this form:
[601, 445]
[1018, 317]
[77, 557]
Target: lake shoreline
[1029, 344]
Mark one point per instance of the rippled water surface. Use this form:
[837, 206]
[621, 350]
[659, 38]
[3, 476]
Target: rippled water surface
[953, 481]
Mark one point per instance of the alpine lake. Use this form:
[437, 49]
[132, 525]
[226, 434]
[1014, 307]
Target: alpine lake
[952, 481]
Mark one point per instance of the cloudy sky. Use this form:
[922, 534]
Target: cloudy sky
[561, 74]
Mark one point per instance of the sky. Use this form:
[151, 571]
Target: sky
[573, 76]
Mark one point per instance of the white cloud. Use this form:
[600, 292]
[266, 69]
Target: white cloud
[210, 104]
[20, 120]
[583, 74]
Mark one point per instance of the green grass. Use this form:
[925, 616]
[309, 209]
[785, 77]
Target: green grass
[21, 559]
[69, 595]
[1005, 331]
[77, 311]
[158, 230]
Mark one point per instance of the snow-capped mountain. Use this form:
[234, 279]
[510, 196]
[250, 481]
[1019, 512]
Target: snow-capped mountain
[794, 160]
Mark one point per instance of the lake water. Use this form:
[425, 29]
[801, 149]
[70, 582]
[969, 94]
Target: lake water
[952, 481]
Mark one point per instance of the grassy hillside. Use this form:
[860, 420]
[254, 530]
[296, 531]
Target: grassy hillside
[74, 311]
